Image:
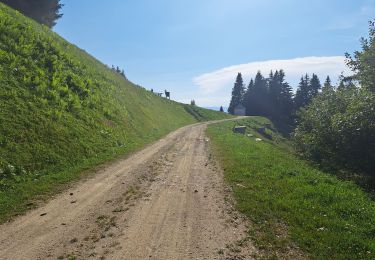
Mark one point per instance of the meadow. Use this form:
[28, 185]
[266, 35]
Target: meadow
[292, 205]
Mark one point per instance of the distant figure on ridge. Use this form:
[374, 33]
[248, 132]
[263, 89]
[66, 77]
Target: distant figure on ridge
[167, 94]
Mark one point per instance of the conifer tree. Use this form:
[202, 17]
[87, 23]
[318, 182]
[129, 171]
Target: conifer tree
[306, 91]
[274, 92]
[237, 94]
[314, 86]
[302, 94]
[280, 96]
[327, 85]
[221, 109]
[46, 12]
[273, 85]
[260, 96]
[286, 98]
[248, 101]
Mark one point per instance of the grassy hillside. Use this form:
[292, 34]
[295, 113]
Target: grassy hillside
[202, 114]
[62, 111]
[292, 205]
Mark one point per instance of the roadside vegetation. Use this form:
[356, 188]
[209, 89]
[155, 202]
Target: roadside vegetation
[295, 209]
[332, 126]
[337, 128]
[62, 112]
[337, 132]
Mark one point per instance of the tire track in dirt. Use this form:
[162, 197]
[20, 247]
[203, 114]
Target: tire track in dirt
[167, 201]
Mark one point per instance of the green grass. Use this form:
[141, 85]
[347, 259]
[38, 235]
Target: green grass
[289, 201]
[201, 114]
[62, 112]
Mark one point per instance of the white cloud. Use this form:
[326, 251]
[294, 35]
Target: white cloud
[215, 87]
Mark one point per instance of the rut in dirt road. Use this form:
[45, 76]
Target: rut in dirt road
[167, 201]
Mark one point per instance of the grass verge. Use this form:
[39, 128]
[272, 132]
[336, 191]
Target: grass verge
[290, 203]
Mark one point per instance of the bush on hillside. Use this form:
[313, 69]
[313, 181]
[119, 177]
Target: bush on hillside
[338, 129]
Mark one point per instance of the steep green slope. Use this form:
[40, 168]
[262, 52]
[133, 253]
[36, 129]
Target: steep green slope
[62, 111]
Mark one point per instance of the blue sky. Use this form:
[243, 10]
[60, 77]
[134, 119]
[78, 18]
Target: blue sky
[194, 48]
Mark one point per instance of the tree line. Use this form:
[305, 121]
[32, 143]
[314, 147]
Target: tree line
[273, 96]
[331, 125]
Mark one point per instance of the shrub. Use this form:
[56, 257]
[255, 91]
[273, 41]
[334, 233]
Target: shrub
[338, 129]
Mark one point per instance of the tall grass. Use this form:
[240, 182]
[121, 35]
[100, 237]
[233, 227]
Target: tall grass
[290, 202]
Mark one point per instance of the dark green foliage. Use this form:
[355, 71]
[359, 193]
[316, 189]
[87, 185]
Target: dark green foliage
[238, 92]
[221, 109]
[291, 203]
[43, 11]
[363, 62]
[306, 91]
[256, 97]
[327, 85]
[270, 97]
[302, 98]
[347, 83]
[62, 111]
[314, 86]
[248, 99]
[259, 96]
[338, 129]
[280, 98]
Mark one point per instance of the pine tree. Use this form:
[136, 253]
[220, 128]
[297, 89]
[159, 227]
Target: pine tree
[306, 91]
[314, 86]
[237, 94]
[302, 94]
[285, 99]
[280, 97]
[248, 101]
[221, 109]
[46, 12]
[327, 85]
[274, 92]
[260, 96]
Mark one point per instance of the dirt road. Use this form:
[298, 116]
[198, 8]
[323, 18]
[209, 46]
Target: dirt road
[167, 201]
